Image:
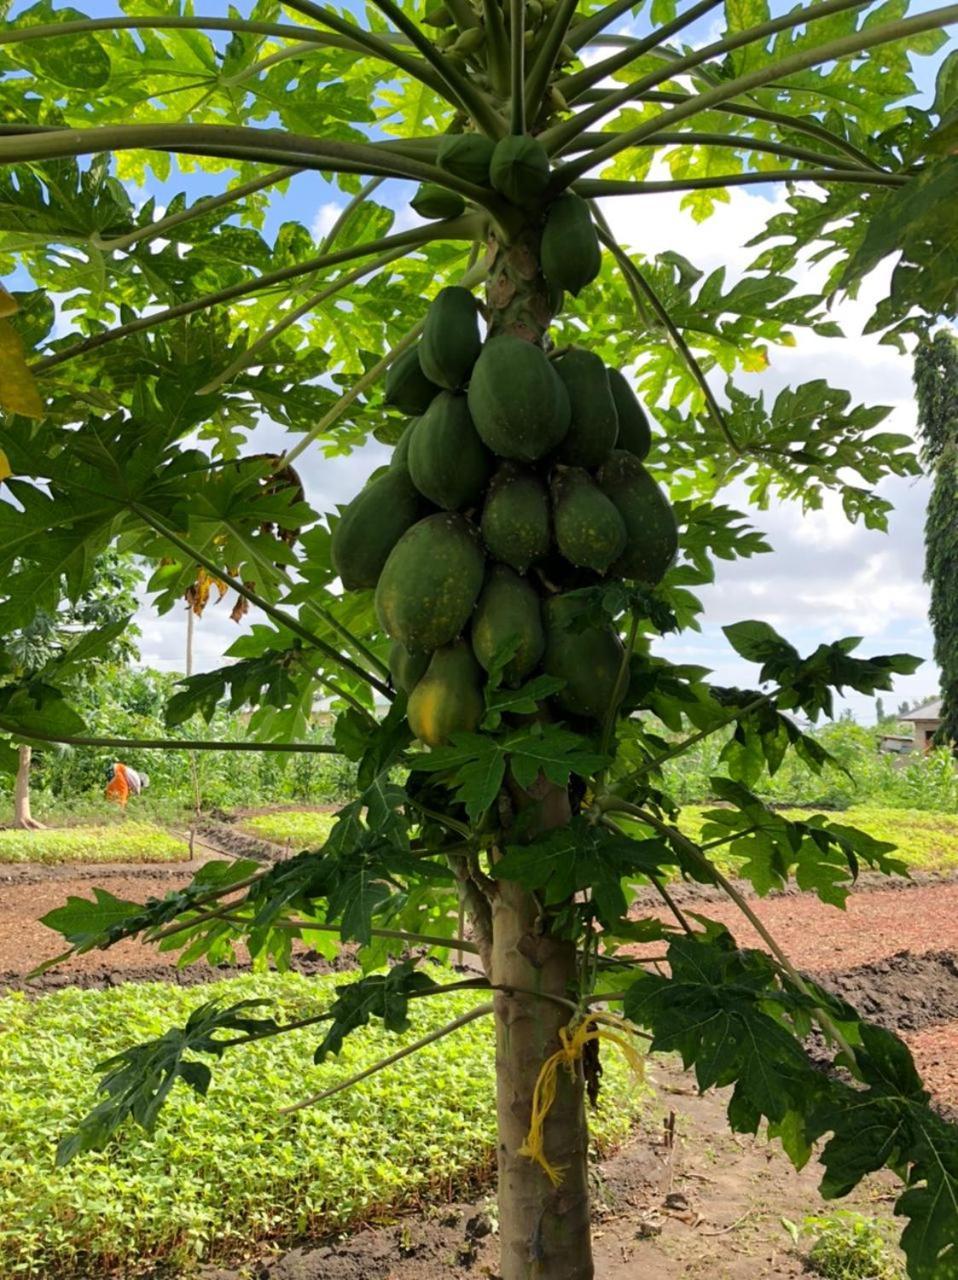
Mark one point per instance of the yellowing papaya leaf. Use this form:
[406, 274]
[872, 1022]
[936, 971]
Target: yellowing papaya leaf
[8, 303]
[755, 361]
[5, 468]
[18, 391]
[198, 594]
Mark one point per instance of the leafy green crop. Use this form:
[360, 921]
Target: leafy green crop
[926, 841]
[126, 842]
[245, 1173]
[304, 829]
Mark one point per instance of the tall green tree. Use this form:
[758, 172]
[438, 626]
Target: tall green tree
[73, 640]
[936, 385]
[539, 807]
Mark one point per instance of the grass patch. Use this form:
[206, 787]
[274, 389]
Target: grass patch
[927, 841]
[122, 842]
[848, 1246]
[304, 830]
[221, 1174]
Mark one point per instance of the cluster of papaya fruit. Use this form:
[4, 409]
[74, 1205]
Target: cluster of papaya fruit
[518, 480]
[517, 167]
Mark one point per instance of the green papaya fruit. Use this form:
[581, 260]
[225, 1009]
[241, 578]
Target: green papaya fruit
[450, 341]
[448, 699]
[371, 525]
[519, 169]
[430, 582]
[517, 400]
[555, 101]
[634, 432]
[508, 611]
[588, 660]
[652, 537]
[571, 255]
[467, 156]
[447, 461]
[407, 387]
[590, 533]
[470, 41]
[438, 16]
[595, 424]
[515, 519]
[400, 458]
[406, 668]
[433, 201]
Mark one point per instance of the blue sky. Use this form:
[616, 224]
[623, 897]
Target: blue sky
[825, 579]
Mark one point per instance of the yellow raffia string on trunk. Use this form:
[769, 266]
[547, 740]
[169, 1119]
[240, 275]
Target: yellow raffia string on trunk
[573, 1039]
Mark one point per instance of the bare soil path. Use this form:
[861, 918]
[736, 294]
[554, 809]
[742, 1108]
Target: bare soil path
[817, 936]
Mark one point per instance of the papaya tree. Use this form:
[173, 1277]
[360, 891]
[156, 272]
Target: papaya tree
[489, 617]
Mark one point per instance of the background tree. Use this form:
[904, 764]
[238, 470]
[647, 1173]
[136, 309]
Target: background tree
[936, 385]
[84, 639]
[537, 810]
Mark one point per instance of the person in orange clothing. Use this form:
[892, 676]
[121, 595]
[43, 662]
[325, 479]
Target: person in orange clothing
[124, 781]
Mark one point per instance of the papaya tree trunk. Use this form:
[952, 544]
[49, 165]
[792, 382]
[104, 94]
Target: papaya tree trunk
[543, 1230]
[22, 816]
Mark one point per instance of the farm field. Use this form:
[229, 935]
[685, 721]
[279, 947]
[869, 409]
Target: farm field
[113, 842]
[399, 1138]
[927, 840]
[895, 958]
[301, 827]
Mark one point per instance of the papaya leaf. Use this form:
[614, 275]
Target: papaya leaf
[138, 1080]
[36, 705]
[888, 1122]
[824, 856]
[477, 764]
[85, 924]
[716, 1009]
[384, 996]
[913, 220]
[107, 919]
[522, 701]
[77, 62]
[561, 863]
[807, 684]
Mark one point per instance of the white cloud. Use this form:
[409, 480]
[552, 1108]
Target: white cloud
[827, 578]
[325, 219]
